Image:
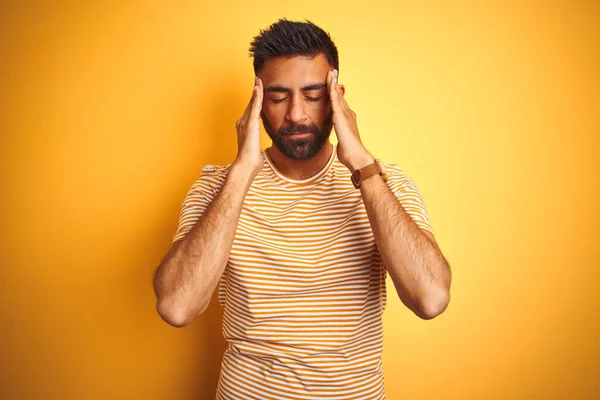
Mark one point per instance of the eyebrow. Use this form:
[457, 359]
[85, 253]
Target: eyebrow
[279, 88]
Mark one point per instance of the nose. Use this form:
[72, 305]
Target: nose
[296, 112]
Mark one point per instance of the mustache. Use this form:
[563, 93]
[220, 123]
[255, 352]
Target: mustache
[298, 128]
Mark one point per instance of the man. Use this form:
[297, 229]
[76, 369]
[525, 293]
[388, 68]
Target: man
[299, 243]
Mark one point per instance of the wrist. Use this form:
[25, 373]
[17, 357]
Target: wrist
[359, 161]
[243, 172]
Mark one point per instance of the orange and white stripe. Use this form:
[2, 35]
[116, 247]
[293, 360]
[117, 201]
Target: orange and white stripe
[304, 290]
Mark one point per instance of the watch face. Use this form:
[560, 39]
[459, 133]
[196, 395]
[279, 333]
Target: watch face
[356, 175]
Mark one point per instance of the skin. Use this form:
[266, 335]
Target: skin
[296, 99]
[191, 270]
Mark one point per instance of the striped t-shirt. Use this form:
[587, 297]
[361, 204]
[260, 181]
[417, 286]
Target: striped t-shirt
[303, 292]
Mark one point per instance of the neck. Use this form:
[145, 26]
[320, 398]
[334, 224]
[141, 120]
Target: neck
[300, 169]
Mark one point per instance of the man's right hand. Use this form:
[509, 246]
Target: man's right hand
[191, 271]
[248, 131]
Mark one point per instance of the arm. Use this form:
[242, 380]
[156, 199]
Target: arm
[413, 259]
[419, 270]
[186, 278]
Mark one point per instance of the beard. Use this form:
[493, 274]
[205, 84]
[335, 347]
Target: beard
[299, 148]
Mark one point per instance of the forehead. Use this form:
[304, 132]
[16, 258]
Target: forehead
[295, 71]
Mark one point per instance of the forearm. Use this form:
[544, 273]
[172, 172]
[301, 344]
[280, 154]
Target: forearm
[187, 277]
[415, 263]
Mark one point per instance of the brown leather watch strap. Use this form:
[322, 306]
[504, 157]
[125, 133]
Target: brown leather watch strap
[363, 173]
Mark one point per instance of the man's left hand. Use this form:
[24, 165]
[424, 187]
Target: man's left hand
[350, 150]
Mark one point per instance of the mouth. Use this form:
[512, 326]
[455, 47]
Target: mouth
[300, 134]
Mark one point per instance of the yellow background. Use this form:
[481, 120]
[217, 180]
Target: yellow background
[108, 111]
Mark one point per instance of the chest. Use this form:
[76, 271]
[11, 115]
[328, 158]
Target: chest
[287, 242]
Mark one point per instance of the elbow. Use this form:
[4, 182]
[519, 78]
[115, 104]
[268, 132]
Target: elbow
[434, 305]
[174, 309]
[436, 298]
[177, 317]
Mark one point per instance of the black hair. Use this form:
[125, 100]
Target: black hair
[292, 38]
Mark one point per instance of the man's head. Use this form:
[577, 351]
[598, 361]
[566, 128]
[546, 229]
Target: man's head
[293, 59]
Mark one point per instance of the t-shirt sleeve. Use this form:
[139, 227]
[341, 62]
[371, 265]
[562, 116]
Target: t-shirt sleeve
[198, 198]
[409, 196]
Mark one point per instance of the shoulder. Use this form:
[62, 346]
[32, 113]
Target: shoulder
[396, 175]
[393, 168]
[406, 191]
[215, 171]
[212, 177]
[400, 183]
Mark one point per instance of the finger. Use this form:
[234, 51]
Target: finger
[251, 102]
[340, 95]
[258, 99]
[337, 93]
[333, 94]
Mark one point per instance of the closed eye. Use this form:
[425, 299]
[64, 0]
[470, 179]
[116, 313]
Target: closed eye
[308, 98]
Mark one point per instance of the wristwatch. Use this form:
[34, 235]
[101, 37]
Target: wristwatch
[363, 173]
